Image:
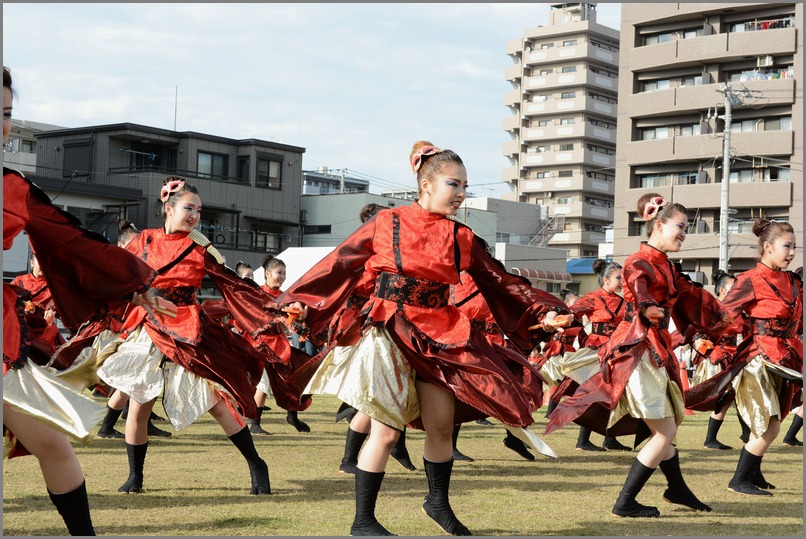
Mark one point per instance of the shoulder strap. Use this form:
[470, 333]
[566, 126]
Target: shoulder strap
[202, 240]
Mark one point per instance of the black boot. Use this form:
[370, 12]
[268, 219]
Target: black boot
[584, 441]
[154, 430]
[436, 504]
[352, 446]
[740, 482]
[345, 412]
[458, 455]
[255, 427]
[401, 454]
[745, 435]
[292, 419]
[258, 468]
[552, 405]
[710, 438]
[757, 478]
[612, 444]
[677, 491]
[125, 414]
[367, 486]
[74, 507]
[514, 443]
[137, 459]
[790, 438]
[626, 505]
[107, 429]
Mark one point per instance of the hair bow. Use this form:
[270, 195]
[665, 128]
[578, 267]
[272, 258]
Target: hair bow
[174, 184]
[652, 207]
[417, 158]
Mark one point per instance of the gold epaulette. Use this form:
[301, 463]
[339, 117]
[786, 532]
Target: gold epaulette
[202, 240]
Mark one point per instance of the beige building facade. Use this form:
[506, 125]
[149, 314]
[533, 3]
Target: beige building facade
[677, 61]
[563, 126]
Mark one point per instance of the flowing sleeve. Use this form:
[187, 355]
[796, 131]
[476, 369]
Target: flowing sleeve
[326, 286]
[515, 303]
[696, 309]
[639, 277]
[584, 306]
[87, 275]
[741, 294]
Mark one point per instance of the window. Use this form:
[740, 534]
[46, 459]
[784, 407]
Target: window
[590, 228]
[691, 33]
[542, 175]
[658, 38]
[77, 159]
[691, 80]
[653, 85]
[741, 176]
[654, 180]
[543, 123]
[568, 95]
[539, 98]
[28, 146]
[744, 126]
[243, 168]
[689, 130]
[567, 147]
[567, 121]
[783, 123]
[554, 288]
[546, 71]
[652, 133]
[212, 165]
[565, 200]
[269, 172]
[569, 69]
[569, 42]
[316, 229]
[565, 173]
[545, 46]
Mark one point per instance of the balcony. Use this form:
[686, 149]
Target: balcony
[587, 211]
[577, 237]
[559, 81]
[763, 143]
[512, 123]
[566, 54]
[513, 72]
[574, 183]
[512, 97]
[566, 106]
[511, 148]
[510, 174]
[514, 46]
[555, 131]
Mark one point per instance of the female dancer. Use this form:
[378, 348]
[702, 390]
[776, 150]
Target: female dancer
[201, 365]
[67, 255]
[715, 362]
[417, 357]
[605, 309]
[766, 371]
[639, 379]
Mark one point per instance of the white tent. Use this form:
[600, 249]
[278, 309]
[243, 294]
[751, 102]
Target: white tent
[298, 260]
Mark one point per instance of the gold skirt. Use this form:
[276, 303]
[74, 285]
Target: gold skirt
[36, 392]
[264, 385]
[580, 365]
[757, 387]
[134, 368]
[704, 371]
[649, 394]
[551, 371]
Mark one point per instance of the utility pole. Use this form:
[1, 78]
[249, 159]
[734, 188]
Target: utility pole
[730, 99]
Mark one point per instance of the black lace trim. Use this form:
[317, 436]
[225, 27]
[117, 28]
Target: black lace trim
[412, 291]
[485, 326]
[180, 295]
[774, 327]
[603, 328]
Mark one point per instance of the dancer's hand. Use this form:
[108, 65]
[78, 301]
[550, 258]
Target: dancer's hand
[654, 313]
[703, 345]
[296, 310]
[146, 300]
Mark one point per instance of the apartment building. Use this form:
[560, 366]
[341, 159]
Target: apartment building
[325, 181]
[250, 189]
[679, 64]
[563, 125]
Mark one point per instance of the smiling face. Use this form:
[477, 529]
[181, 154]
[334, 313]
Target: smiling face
[445, 192]
[668, 236]
[727, 284]
[184, 214]
[779, 253]
[275, 277]
[612, 283]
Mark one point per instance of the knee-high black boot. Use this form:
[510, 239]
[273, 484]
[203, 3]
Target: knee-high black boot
[740, 482]
[584, 441]
[710, 438]
[367, 486]
[137, 459]
[626, 504]
[255, 427]
[794, 429]
[401, 454]
[258, 468]
[436, 504]
[678, 492]
[612, 444]
[745, 435]
[352, 446]
[458, 455]
[292, 419]
[74, 507]
[107, 429]
[757, 478]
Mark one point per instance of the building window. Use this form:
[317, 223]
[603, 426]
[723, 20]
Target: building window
[77, 158]
[784, 123]
[569, 42]
[691, 80]
[212, 165]
[28, 146]
[566, 121]
[565, 173]
[545, 46]
[539, 98]
[568, 95]
[243, 168]
[546, 71]
[689, 130]
[542, 175]
[565, 200]
[567, 147]
[654, 85]
[654, 39]
[316, 229]
[543, 123]
[269, 173]
[569, 69]
[745, 126]
[652, 133]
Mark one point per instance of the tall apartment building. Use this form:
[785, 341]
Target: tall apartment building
[676, 61]
[563, 126]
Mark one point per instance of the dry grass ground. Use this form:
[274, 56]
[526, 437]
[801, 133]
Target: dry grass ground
[197, 484]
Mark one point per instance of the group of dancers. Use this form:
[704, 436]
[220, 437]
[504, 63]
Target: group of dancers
[416, 325]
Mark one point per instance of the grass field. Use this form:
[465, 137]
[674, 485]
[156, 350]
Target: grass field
[197, 484]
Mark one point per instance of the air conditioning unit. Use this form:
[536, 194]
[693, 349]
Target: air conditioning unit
[765, 61]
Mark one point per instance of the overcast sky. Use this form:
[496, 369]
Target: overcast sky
[354, 84]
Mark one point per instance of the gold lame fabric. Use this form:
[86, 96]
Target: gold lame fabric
[36, 392]
[550, 370]
[757, 387]
[649, 394]
[705, 371]
[372, 376]
[581, 365]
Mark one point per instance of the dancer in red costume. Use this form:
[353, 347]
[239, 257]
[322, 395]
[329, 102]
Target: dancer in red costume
[199, 364]
[417, 361]
[604, 308]
[639, 380]
[766, 371]
[75, 263]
